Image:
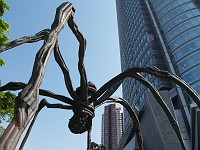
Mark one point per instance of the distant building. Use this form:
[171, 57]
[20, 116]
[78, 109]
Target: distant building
[112, 126]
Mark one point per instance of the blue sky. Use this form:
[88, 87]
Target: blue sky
[98, 22]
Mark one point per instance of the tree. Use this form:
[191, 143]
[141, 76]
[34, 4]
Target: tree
[4, 26]
[7, 99]
[1, 62]
[95, 146]
[7, 103]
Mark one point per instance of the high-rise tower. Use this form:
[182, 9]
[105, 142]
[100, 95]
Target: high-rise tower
[165, 34]
[112, 126]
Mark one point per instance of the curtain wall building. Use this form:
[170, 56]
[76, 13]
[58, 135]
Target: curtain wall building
[112, 126]
[165, 34]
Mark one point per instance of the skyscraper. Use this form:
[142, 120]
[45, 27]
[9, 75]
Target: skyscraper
[112, 126]
[165, 34]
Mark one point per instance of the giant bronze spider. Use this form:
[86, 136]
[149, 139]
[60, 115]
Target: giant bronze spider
[85, 98]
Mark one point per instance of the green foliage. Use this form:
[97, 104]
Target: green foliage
[4, 26]
[95, 146]
[3, 6]
[7, 99]
[4, 29]
[7, 103]
[2, 62]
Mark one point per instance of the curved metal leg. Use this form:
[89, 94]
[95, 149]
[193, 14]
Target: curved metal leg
[133, 73]
[110, 91]
[20, 85]
[27, 100]
[42, 104]
[13, 86]
[27, 39]
[89, 139]
[164, 74]
[132, 114]
[81, 54]
[29, 94]
[159, 99]
[65, 70]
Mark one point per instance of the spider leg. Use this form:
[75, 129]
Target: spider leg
[133, 73]
[48, 105]
[20, 85]
[164, 74]
[65, 70]
[29, 94]
[89, 139]
[13, 86]
[56, 96]
[110, 91]
[27, 39]
[82, 46]
[132, 114]
[27, 99]
[42, 104]
[159, 99]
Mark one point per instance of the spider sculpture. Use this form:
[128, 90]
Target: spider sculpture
[85, 98]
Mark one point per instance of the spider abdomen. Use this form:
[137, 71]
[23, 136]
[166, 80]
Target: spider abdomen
[81, 121]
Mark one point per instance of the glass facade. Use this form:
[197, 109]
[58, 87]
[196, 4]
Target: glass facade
[145, 27]
[179, 22]
[139, 47]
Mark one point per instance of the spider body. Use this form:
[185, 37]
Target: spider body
[81, 121]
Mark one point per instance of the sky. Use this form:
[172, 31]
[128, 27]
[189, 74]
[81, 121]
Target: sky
[97, 20]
